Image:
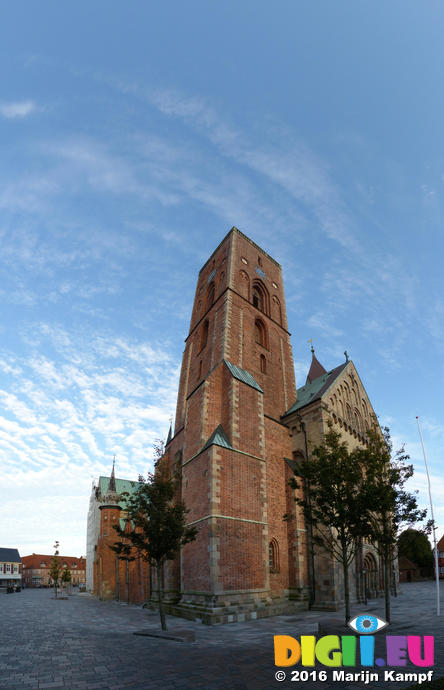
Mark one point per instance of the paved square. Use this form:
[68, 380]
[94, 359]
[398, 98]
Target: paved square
[85, 643]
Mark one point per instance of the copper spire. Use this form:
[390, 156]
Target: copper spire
[112, 481]
[316, 368]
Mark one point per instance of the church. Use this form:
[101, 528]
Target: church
[241, 425]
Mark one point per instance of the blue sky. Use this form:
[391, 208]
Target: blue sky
[133, 137]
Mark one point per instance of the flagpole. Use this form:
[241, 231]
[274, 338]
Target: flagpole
[433, 521]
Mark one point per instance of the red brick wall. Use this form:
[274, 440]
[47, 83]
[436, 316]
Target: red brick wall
[246, 492]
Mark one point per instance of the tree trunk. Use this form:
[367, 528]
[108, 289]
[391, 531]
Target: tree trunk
[346, 582]
[160, 595]
[387, 583]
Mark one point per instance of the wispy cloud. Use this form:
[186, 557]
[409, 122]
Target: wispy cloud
[64, 415]
[17, 109]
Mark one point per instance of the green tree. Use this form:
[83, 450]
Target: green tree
[158, 523]
[390, 506]
[55, 568]
[66, 576]
[332, 502]
[414, 545]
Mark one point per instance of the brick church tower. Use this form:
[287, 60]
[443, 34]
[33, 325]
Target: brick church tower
[230, 447]
[106, 564]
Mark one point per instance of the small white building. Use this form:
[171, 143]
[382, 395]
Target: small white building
[10, 567]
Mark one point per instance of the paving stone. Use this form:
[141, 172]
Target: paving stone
[91, 645]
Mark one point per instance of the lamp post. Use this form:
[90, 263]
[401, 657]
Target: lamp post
[438, 610]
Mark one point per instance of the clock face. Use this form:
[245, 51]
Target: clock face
[260, 272]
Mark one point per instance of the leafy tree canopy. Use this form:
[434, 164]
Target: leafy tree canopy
[414, 545]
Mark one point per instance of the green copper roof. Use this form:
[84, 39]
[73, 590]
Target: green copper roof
[218, 438]
[243, 375]
[316, 389]
[121, 486]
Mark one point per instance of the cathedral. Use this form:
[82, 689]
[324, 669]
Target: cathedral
[241, 425]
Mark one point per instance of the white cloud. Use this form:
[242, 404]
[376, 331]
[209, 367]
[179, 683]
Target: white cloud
[17, 109]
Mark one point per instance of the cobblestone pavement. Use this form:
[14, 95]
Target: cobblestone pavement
[85, 643]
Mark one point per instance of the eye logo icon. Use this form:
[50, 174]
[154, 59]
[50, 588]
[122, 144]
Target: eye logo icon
[366, 624]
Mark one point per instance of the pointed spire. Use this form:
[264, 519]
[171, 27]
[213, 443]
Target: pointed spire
[112, 481]
[170, 434]
[111, 496]
[316, 368]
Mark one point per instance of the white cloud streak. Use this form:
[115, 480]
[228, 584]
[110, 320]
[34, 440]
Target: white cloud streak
[17, 109]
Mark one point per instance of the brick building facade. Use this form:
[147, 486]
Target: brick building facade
[440, 547]
[107, 576]
[36, 569]
[240, 427]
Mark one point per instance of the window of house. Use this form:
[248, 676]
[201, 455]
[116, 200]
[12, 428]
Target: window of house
[263, 364]
[8, 567]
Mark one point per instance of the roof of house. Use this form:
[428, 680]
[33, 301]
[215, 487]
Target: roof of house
[36, 559]
[406, 564]
[314, 390]
[9, 555]
[121, 486]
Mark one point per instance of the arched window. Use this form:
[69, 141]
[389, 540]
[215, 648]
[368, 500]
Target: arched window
[263, 364]
[204, 334]
[210, 294]
[258, 298]
[198, 306]
[277, 312]
[273, 556]
[260, 334]
[244, 285]
[341, 408]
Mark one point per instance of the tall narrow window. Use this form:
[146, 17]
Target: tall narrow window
[210, 295]
[204, 334]
[200, 369]
[258, 298]
[277, 312]
[263, 364]
[260, 334]
[273, 556]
